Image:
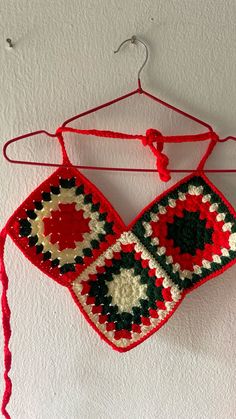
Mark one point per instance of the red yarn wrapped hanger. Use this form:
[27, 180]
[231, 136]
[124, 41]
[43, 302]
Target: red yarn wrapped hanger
[151, 137]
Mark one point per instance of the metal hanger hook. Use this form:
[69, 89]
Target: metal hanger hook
[134, 40]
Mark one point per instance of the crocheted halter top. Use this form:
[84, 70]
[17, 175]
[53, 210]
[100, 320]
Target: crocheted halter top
[126, 280]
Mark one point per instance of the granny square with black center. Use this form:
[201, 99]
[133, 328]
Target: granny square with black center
[190, 230]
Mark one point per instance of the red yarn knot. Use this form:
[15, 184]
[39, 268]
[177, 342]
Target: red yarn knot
[214, 136]
[154, 136]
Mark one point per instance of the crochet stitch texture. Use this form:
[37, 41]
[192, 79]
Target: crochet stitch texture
[126, 280]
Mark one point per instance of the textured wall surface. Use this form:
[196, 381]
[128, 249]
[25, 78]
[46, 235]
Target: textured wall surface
[63, 64]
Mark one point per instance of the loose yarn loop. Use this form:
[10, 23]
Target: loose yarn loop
[154, 136]
[6, 313]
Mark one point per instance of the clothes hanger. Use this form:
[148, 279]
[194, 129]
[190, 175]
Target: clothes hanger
[111, 134]
[139, 90]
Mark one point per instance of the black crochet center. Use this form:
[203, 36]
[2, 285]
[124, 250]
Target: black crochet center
[189, 232]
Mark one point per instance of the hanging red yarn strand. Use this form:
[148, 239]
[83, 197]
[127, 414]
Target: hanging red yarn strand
[6, 313]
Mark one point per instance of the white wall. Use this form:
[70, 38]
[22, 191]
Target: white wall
[62, 64]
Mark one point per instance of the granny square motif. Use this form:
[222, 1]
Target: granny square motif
[125, 294]
[190, 231]
[64, 224]
[126, 280]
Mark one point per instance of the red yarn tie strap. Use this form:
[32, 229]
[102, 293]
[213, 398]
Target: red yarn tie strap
[162, 159]
[65, 157]
[210, 148]
[154, 136]
[6, 313]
